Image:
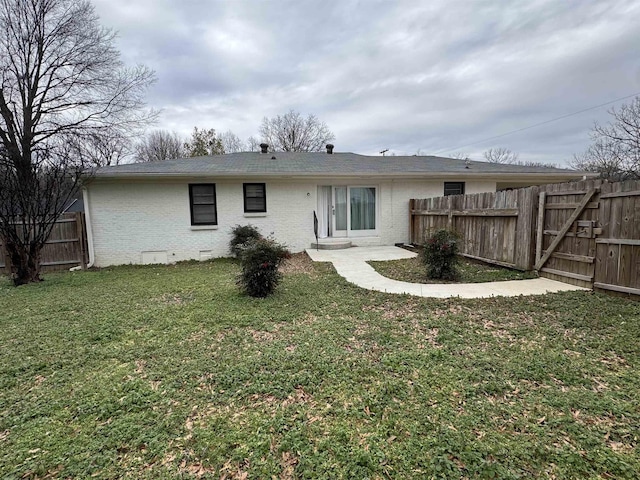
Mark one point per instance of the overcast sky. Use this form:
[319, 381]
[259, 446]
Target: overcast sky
[429, 76]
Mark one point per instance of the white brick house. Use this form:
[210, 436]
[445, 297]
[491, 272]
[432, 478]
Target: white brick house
[184, 209]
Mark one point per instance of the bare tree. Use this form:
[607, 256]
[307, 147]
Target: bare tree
[62, 85]
[460, 156]
[203, 142]
[159, 145]
[293, 133]
[253, 144]
[533, 163]
[507, 157]
[231, 143]
[103, 148]
[615, 151]
[604, 158]
[500, 155]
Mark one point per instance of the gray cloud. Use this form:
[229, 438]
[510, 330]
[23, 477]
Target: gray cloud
[384, 74]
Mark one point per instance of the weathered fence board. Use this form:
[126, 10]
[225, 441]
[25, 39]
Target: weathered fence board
[493, 225]
[66, 247]
[617, 264]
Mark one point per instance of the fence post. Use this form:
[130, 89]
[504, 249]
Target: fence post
[540, 234]
[412, 203]
[80, 233]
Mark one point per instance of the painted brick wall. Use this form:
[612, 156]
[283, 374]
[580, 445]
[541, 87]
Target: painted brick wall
[395, 196]
[128, 219]
[131, 218]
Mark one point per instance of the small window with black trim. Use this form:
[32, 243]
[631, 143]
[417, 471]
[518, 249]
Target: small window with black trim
[202, 201]
[453, 188]
[255, 197]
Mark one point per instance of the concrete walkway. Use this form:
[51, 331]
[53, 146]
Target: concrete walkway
[351, 264]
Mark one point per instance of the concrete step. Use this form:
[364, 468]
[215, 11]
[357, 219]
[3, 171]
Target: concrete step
[331, 244]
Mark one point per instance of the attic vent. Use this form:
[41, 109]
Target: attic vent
[329, 149]
[264, 147]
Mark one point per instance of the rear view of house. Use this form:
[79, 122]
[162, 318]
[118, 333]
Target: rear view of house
[163, 212]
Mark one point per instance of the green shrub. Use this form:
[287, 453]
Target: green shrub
[440, 255]
[260, 261]
[241, 235]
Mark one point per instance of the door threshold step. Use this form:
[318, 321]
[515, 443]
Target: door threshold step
[331, 244]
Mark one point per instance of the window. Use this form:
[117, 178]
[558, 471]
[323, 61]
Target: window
[202, 200]
[363, 208]
[255, 197]
[453, 188]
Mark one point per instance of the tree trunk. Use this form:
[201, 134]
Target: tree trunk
[25, 263]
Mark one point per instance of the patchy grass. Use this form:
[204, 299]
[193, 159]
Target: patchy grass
[165, 372]
[413, 270]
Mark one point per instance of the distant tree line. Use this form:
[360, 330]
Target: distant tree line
[290, 132]
[506, 157]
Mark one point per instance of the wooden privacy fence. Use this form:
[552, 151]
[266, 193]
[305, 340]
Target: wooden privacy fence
[66, 247]
[495, 226]
[586, 233]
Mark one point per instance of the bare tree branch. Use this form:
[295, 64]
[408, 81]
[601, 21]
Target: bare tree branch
[293, 133]
[231, 143]
[460, 156]
[159, 145]
[500, 155]
[615, 151]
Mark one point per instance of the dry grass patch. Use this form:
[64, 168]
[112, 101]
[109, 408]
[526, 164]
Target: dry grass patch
[298, 263]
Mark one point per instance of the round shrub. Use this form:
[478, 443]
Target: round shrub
[260, 261]
[440, 255]
[241, 235]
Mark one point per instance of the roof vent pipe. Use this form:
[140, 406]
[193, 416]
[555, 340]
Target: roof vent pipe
[329, 149]
[264, 148]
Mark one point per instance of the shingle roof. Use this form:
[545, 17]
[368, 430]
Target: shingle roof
[318, 164]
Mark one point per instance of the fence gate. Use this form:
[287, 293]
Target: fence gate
[567, 230]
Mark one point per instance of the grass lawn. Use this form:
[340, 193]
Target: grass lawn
[165, 372]
[413, 270]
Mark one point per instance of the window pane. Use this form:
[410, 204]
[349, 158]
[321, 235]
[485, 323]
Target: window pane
[255, 197]
[202, 189]
[341, 208]
[203, 199]
[363, 208]
[255, 204]
[253, 190]
[204, 214]
[453, 188]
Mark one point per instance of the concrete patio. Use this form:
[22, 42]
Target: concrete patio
[351, 264]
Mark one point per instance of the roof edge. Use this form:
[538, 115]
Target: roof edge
[484, 175]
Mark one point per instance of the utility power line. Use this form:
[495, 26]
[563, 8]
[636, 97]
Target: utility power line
[537, 124]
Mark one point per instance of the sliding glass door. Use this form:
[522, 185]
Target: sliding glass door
[355, 211]
[362, 201]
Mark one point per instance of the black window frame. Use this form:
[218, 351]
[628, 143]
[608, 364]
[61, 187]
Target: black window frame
[449, 185]
[264, 197]
[215, 203]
